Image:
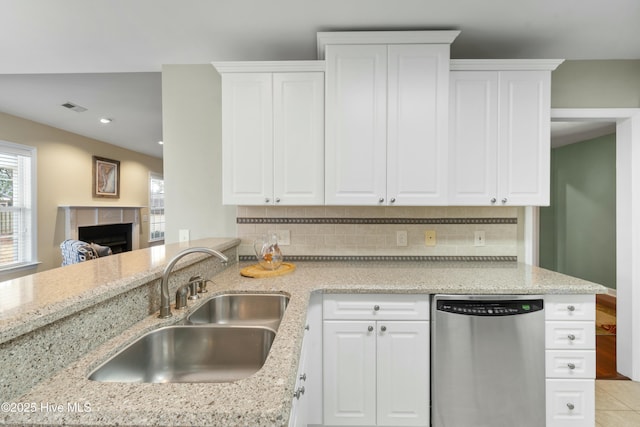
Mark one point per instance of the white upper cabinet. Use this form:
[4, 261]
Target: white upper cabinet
[273, 132]
[386, 117]
[499, 137]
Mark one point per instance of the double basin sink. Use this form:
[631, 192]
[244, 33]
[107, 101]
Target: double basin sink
[226, 339]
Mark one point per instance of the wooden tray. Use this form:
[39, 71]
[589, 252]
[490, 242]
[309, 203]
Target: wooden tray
[257, 271]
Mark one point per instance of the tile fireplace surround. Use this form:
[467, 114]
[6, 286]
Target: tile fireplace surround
[86, 216]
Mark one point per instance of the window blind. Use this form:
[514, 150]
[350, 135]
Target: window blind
[17, 229]
[156, 207]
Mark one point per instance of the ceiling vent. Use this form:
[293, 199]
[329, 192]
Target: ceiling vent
[74, 107]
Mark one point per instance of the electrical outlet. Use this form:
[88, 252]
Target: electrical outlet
[401, 238]
[183, 235]
[284, 237]
[478, 238]
[430, 238]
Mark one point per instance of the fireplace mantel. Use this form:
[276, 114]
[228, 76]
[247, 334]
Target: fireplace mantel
[87, 216]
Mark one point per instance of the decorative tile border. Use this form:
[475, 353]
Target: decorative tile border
[247, 220]
[445, 258]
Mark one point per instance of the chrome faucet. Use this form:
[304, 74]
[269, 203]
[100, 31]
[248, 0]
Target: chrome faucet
[165, 307]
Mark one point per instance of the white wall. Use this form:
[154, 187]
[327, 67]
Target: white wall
[192, 153]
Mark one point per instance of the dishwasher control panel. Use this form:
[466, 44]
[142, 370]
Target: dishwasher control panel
[490, 307]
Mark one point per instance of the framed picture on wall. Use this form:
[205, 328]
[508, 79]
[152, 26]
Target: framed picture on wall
[106, 177]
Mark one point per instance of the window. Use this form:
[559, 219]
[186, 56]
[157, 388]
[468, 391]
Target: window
[17, 205]
[156, 207]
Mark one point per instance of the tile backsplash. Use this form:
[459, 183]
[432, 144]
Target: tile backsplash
[372, 231]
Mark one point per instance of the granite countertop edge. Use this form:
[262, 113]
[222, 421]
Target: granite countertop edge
[148, 266]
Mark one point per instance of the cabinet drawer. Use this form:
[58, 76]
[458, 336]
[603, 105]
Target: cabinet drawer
[376, 307]
[570, 307]
[570, 364]
[570, 335]
[570, 403]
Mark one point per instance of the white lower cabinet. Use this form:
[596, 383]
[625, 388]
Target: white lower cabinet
[300, 404]
[570, 403]
[376, 370]
[570, 360]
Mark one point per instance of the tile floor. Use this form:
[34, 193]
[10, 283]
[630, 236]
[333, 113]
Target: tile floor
[617, 403]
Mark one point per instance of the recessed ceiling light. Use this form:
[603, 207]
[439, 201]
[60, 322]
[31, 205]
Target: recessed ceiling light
[161, 142]
[105, 120]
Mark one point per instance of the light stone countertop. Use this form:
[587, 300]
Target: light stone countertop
[29, 302]
[264, 399]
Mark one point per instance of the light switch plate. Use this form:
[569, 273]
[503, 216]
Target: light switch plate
[284, 237]
[183, 235]
[401, 238]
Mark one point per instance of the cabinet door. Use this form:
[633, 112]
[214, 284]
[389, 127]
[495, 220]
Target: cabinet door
[473, 138]
[525, 150]
[247, 138]
[298, 129]
[349, 350]
[403, 373]
[418, 92]
[356, 125]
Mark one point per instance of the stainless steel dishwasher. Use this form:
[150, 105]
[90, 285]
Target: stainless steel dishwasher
[487, 361]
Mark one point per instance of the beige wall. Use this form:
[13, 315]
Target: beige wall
[596, 84]
[64, 178]
[191, 129]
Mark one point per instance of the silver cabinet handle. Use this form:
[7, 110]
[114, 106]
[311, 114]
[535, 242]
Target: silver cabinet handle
[504, 200]
[277, 199]
[376, 307]
[370, 328]
[306, 328]
[571, 308]
[303, 377]
[570, 406]
[571, 337]
[299, 392]
[266, 200]
[493, 200]
[393, 200]
[381, 200]
[571, 366]
[383, 328]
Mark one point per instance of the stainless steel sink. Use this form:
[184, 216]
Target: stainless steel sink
[242, 309]
[190, 354]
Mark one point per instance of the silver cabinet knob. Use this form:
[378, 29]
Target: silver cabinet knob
[381, 200]
[570, 406]
[393, 200]
[277, 199]
[493, 200]
[299, 392]
[306, 327]
[383, 328]
[370, 328]
[571, 308]
[303, 377]
[376, 307]
[504, 200]
[571, 337]
[571, 366]
[267, 200]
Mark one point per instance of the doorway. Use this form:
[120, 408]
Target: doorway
[578, 229]
[627, 228]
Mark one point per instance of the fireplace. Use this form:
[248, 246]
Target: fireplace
[116, 236]
[115, 226]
